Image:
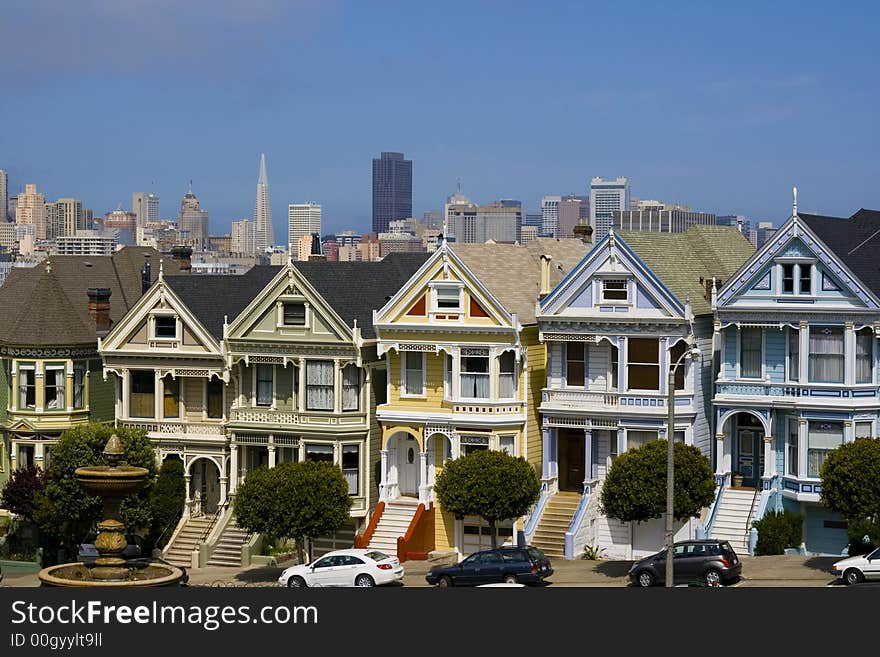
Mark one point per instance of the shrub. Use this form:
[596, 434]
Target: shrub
[18, 494]
[167, 498]
[778, 530]
[593, 552]
[863, 535]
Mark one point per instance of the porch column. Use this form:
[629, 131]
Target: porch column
[588, 460]
[39, 455]
[423, 477]
[223, 482]
[186, 479]
[665, 365]
[383, 476]
[769, 460]
[271, 448]
[337, 387]
[301, 386]
[621, 365]
[68, 385]
[545, 457]
[233, 467]
[720, 465]
[158, 395]
[621, 441]
[13, 455]
[126, 393]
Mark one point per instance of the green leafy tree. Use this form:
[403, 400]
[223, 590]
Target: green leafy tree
[167, 497]
[851, 486]
[490, 484]
[635, 487]
[20, 490]
[299, 501]
[64, 512]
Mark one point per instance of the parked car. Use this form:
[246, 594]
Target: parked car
[88, 552]
[706, 561]
[355, 567]
[510, 565]
[853, 570]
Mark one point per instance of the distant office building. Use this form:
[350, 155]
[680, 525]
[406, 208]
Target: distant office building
[550, 215]
[660, 218]
[431, 239]
[399, 243]
[123, 224]
[534, 218]
[4, 196]
[264, 233]
[348, 237]
[760, 235]
[220, 243]
[31, 211]
[510, 203]
[433, 219]
[606, 198]
[145, 206]
[571, 210]
[85, 243]
[479, 223]
[368, 247]
[303, 219]
[242, 237]
[392, 190]
[302, 247]
[5, 265]
[738, 221]
[8, 240]
[192, 221]
[528, 234]
[330, 249]
[65, 217]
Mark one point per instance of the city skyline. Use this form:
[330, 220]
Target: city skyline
[722, 129]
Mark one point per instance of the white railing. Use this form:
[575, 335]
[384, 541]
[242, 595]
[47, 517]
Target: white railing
[263, 416]
[576, 398]
[175, 428]
[488, 407]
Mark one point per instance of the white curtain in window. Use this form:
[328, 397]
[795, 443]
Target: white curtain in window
[319, 385]
[413, 376]
[639, 438]
[826, 355]
[24, 401]
[864, 356]
[750, 352]
[79, 380]
[475, 377]
[507, 378]
[55, 389]
[351, 387]
[824, 437]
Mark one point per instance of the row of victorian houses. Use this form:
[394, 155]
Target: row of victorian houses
[559, 351]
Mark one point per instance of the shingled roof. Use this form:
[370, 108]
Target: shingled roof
[512, 272]
[355, 289]
[680, 260]
[47, 305]
[854, 241]
[211, 298]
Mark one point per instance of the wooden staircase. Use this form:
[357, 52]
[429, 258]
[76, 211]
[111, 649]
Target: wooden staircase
[394, 522]
[227, 552]
[193, 532]
[549, 535]
[732, 517]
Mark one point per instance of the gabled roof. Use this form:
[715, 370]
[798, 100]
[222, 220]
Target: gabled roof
[512, 272]
[47, 305]
[854, 241]
[355, 289]
[680, 260]
[212, 297]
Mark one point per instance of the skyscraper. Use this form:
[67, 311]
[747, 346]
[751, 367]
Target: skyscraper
[4, 196]
[392, 190]
[302, 219]
[264, 235]
[192, 221]
[572, 209]
[606, 196]
[243, 237]
[31, 210]
[550, 215]
[146, 210]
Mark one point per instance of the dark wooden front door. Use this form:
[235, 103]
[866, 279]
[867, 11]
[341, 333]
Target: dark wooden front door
[571, 461]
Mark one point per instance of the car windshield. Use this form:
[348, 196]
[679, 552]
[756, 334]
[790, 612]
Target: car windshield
[375, 555]
[535, 554]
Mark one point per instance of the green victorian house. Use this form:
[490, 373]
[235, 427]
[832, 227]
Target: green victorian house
[51, 375]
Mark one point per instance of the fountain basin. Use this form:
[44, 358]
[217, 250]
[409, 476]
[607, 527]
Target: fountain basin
[150, 573]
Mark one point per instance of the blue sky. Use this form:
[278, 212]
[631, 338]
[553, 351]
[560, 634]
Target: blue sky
[722, 107]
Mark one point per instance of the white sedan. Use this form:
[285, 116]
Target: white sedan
[355, 567]
[856, 569]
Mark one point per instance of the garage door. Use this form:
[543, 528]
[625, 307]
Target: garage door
[476, 534]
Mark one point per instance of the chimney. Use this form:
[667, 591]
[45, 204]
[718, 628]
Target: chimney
[584, 231]
[99, 308]
[145, 274]
[545, 276]
[181, 255]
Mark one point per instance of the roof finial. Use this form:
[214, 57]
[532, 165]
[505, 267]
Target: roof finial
[48, 266]
[161, 271]
[794, 201]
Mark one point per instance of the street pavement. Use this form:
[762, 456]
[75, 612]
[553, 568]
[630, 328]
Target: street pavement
[770, 571]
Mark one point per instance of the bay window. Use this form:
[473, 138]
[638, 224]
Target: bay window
[143, 394]
[27, 387]
[823, 438]
[170, 397]
[574, 364]
[413, 373]
[507, 375]
[751, 352]
[475, 377]
[792, 452]
[215, 398]
[79, 385]
[319, 385]
[826, 354]
[863, 430]
[643, 364]
[865, 355]
[636, 439]
[447, 377]
[265, 381]
[614, 366]
[351, 462]
[675, 353]
[506, 444]
[351, 387]
[55, 388]
[794, 353]
[319, 452]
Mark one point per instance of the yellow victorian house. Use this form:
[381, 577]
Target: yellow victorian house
[465, 371]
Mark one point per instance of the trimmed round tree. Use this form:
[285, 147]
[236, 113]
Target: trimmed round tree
[167, 498]
[20, 490]
[851, 486]
[635, 487]
[299, 501]
[490, 484]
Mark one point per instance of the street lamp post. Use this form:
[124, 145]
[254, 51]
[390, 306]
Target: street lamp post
[692, 352]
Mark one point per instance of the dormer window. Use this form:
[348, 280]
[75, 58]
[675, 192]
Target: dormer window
[294, 314]
[806, 278]
[166, 326]
[448, 297]
[615, 289]
[796, 278]
[788, 278]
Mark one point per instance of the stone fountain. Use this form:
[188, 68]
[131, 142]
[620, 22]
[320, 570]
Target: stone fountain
[112, 483]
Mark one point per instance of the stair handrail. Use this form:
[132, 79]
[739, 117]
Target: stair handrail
[713, 511]
[575, 525]
[535, 516]
[751, 510]
[414, 524]
[181, 523]
[363, 540]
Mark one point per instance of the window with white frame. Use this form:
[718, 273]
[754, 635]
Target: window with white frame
[638, 438]
[826, 354]
[319, 385]
[474, 380]
[507, 444]
[351, 465]
[470, 444]
[293, 313]
[643, 364]
[79, 385]
[793, 337]
[865, 355]
[142, 396]
[823, 438]
[792, 451]
[319, 452]
[751, 352]
[788, 278]
[614, 367]
[507, 375]
[615, 289]
[678, 436]
[612, 446]
[165, 326]
[805, 280]
[864, 430]
[674, 354]
[54, 388]
[575, 374]
[27, 387]
[351, 387]
[447, 377]
[265, 381]
[413, 373]
[448, 297]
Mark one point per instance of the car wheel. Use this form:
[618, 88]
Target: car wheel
[509, 579]
[296, 582]
[852, 576]
[445, 581]
[712, 577]
[364, 580]
[646, 579]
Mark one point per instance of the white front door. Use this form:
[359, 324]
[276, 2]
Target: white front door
[408, 467]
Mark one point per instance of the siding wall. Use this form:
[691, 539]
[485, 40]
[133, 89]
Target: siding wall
[774, 354]
[102, 394]
[703, 387]
[433, 398]
[728, 352]
[556, 354]
[599, 361]
[537, 377]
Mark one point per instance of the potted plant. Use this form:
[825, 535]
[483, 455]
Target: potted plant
[737, 479]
